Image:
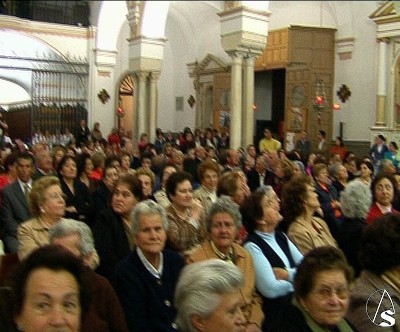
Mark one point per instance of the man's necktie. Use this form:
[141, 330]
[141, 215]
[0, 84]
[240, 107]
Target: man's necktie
[26, 191]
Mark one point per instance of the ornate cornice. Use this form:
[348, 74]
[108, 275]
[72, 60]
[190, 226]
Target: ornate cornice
[19, 24]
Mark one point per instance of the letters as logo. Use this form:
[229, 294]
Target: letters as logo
[384, 312]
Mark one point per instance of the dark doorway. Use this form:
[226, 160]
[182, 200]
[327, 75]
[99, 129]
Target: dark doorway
[273, 84]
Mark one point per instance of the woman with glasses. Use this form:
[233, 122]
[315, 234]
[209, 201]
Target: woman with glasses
[321, 294]
[275, 256]
[223, 221]
[112, 227]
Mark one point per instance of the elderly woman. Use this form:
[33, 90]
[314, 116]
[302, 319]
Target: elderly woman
[223, 221]
[234, 185]
[300, 203]
[355, 201]
[208, 298]
[209, 174]
[105, 313]
[341, 177]
[145, 280]
[47, 204]
[275, 256]
[383, 189]
[321, 294]
[50, 290]
[185, 214]
[112, 228]
[148, 180]
[377, 289]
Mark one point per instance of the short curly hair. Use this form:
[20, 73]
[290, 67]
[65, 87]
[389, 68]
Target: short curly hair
[39, 187]
[380, 244]
[224, 204]
[355, 200]
[293, 196]
[208, 164]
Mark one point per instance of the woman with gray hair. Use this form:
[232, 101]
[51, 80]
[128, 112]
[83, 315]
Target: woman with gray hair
[105, 313]
[355, 201]
[74, 229]
[223, 221]
[208, 297]
[145, 280]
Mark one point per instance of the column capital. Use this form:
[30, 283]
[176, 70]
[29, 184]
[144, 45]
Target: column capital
[154, 76]
[142, 75]
[245, 29]
[236, 54]
[384, 40]
[146, 53]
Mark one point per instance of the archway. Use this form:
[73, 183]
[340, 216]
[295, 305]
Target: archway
[126, 102]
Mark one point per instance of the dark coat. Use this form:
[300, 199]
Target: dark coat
[105, 312]
[14, 210]
[111, 241]
[148, 302]
[81, 199]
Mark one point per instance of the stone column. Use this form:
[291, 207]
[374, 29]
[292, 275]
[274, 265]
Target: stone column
[236, 101]
[153, 105]
[381, 97]
[142, 105]
[248, 101]
[244, 31]
[145, 56]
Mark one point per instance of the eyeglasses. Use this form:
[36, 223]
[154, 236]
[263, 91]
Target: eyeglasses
[326, 293]
[55, 196]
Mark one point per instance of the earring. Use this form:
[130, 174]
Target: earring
[42, 210]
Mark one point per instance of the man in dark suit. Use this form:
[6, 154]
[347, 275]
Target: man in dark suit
[15, 208]
[83, 134]
[44, 165]
[303, 146]
[259, 175]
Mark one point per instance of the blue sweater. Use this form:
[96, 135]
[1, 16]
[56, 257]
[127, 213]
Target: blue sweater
[266, 283]
[148, 302]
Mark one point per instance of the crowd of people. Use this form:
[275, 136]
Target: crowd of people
[188, 234]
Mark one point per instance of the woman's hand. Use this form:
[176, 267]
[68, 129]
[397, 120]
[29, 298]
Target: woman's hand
[71, 208]
[197, 209]
[281, 274]
[252, 328]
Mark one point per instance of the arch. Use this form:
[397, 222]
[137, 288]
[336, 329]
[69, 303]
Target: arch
[113, 14]
[17, 48]
[126, 100]
[15, 93]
